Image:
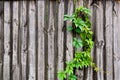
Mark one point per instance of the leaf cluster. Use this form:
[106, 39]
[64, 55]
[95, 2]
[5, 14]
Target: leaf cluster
[82, 28]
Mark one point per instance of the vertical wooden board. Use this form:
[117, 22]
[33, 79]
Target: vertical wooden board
[78, 3]
[60, 36]
[69, 35]
[79, 73]
[116, 18]
[51, 32]
[15, 65]
[6, 58]
[24, 36]
[41, 54]
[1, 38]
[99, 40]
[90, 69]
[109, 40]
[32, 41]
[69, 39]
[1, 45]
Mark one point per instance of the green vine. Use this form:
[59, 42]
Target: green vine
[82, 28]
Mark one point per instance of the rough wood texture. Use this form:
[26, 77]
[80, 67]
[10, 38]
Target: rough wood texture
[15, 55]
[34, 42]
[89, 72]
[109, 41]
[7, 51]
[61, 36]
[116, 42]
[23, 38]
[69, 39]
[41, 54]
[99, 41]
[51, 53]
[1, 39]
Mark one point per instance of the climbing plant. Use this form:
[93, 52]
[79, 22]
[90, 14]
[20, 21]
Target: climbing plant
[82, 28]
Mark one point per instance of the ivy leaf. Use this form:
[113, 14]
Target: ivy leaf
[69, 28]
[83, 36]
[72, 77]
[77, 30]
[61, 75]
[77, 43]
[68, 17]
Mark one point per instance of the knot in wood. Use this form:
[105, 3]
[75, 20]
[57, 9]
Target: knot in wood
[100, 43]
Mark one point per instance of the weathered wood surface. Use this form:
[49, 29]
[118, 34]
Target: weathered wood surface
[1, 38]
[99, 40]
[51, 47]
[61, 36]
[23, 39]
[41, 41]
[109, 41]
[34, 42]
[7, 42]
[15, 43]
[116, 52]
[69, 36]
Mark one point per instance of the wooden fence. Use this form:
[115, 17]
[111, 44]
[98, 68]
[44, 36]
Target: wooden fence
[34, 42]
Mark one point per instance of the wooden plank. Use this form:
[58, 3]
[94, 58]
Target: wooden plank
[6, 58]
[78, 3]
[109, 40]
[32, 39]
[1, 46]
[69, 39]
[99, 40]
[24, 36]
[89, 74]
[51, 32]
[79, 72]
[60, 36]
[41, 54]
[60, 65]
[116, 18]
[15, 65]
[1, 39]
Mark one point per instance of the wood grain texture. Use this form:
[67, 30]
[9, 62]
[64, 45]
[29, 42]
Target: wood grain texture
[69, 39]
[89, 72]
[15, 58]
[61, 36]
[116, 55]
[109, 41]
[1, 40]
[51, 53]
[24, 38]
[35, 43]
[41, 54]
[32, 41]
[69, 35]
[6, 58]
[99, 41]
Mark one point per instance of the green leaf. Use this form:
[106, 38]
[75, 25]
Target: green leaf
[77, 30]
[82, 59]
[61, 75]
[77, 43]
[69, 28]
[68, 17]
[72, 77]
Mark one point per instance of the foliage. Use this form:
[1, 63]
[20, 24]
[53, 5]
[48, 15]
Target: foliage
[82, 27]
